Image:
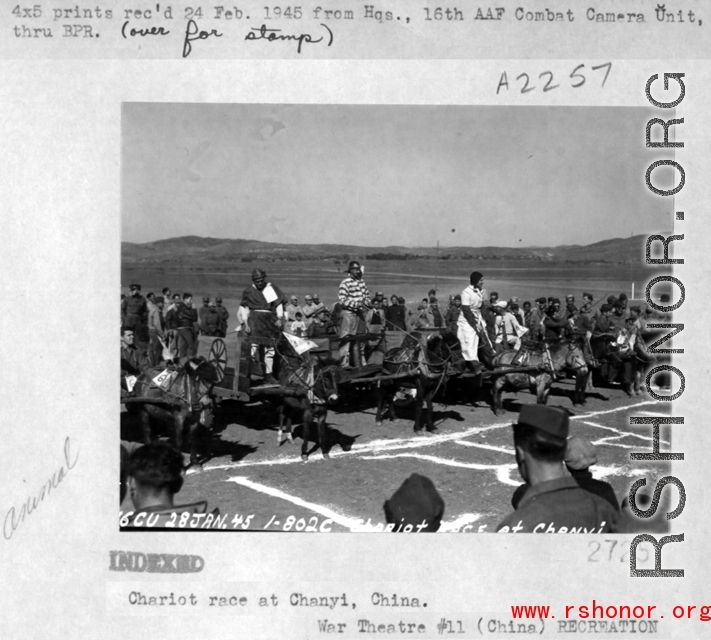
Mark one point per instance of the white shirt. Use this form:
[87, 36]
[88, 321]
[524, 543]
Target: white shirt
[472, 298]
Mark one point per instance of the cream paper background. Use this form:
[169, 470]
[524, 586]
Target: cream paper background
[61, 136]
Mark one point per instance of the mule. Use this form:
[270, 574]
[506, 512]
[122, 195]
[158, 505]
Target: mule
[552, 360]
[318, 381]
[424, 367]
[184, 400]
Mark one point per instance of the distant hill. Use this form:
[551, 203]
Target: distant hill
[222, 250]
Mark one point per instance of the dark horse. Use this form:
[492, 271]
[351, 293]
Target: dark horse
[423, 367]
[315, 382]
[183, 398]
[551, 360]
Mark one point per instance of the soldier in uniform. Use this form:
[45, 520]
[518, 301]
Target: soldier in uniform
[262, 316]
[202, 311]
[554, 503]
[224, 316]
[134, 315]
[156, 330]
[587, 309]
[535, 321]
[210, 321]
[187, 325]
[134, 361]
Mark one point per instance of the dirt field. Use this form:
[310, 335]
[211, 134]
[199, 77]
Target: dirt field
[471, 460]
[258, 485]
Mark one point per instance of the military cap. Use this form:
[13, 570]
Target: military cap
[258, 273]
[580, 453]
[378, 294]
[134, 286]
[541, 300]
[555, 301]
[570, 296]
[353, 264]
[206, 298]
[218, 299]
[416, 501]
[588, 295]
[552, 420]
[611, 299]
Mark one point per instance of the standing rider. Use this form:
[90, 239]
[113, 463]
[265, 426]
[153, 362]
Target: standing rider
[354, 298]
[262, 315]
[470, 323]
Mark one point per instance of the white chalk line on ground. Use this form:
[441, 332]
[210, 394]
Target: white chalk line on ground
[414, 442]
[606, 411]
[479, 445]
[344, 521]
[459, 522]
[353, 524]
[624, 434]
[502, 470]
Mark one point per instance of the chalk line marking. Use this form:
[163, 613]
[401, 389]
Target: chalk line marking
[490, 447]
[600, 472]
[414, 442]
[623, 434]
[503, 471]
[344, 521]
[652, 413]
[353, 524]
[459, 522]
[600, 413]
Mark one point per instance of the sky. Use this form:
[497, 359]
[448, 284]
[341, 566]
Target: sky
[373, 175]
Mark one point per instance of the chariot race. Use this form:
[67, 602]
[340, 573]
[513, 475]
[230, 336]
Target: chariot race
[364, 411]
[407, 318]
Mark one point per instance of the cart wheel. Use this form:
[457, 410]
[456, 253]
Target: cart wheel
[218, 358]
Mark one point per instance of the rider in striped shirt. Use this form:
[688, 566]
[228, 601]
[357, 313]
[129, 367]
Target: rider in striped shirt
[354, 298]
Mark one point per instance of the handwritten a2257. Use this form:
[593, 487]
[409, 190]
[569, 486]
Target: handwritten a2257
[546, 81]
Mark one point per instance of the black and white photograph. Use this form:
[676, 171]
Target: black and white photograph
[389, 318]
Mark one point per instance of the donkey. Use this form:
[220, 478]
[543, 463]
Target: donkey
[552, 359]
[317, 380]
[183, 399]
[424, 366]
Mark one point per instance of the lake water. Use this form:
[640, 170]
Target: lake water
[408, 278]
